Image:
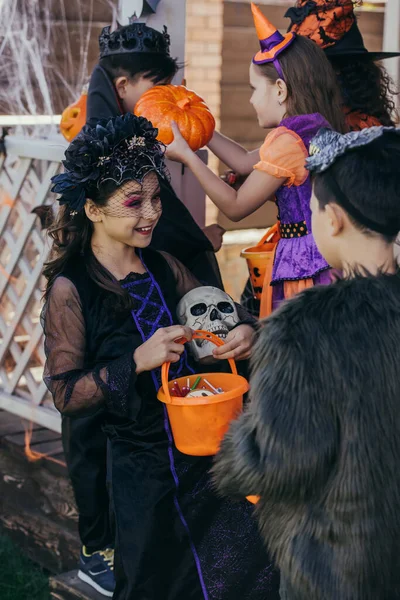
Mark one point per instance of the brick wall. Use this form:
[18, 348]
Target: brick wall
[204, 36]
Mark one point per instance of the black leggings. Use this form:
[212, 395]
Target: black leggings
[85, 447]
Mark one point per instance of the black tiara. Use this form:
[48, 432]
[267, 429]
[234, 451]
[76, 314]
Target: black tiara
[116, 150]
[135, 37]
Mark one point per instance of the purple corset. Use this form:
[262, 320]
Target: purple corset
[298, 257]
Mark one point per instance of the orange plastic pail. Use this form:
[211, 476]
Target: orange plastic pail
[260, 259]
[199, 424]
[253, 499]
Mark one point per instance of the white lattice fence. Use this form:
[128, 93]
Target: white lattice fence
[24, 184]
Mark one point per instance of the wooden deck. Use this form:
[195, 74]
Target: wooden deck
[37, 508]
[68, 587]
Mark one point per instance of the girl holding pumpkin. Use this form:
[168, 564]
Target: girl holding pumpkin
[110, 323]
[366, 88]
[294, 91]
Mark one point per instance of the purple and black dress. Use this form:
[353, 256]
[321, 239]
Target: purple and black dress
[175, 538]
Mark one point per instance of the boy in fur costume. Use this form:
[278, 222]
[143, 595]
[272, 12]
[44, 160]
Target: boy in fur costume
[320, 442]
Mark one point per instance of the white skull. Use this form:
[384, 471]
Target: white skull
[210, 309]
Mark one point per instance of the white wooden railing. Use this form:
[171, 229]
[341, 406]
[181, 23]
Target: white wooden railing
[24, 184]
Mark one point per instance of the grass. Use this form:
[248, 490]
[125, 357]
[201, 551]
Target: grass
[20, 579]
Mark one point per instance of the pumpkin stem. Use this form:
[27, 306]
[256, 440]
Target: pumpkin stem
[183, 103]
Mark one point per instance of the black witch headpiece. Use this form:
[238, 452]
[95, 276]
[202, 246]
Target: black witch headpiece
[332, 24]
[116, 150]
[328, 146]
[135, 37]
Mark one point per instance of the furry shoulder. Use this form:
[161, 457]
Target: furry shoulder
[333, 310]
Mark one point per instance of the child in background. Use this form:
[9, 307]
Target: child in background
[294, 90]
[366, 87]
[320, 441]
[133, 59]
[110, 323]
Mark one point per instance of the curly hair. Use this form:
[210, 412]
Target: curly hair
[367, 87]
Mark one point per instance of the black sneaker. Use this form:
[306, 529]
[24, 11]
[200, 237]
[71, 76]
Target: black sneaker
[97, 570]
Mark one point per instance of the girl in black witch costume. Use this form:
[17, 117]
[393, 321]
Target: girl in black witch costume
[367, 89]
[132, 59]
[109, 322]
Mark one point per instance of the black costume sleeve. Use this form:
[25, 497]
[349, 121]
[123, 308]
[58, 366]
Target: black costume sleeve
[102, 101]
[75, 389]
[178, 234]
[285, 442]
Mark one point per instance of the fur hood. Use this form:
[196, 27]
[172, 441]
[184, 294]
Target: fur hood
[320, 441]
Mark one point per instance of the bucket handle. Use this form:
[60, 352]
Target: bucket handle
[266, 294]
[197, 335]
[267, 237]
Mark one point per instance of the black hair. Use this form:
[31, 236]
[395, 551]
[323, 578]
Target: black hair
[366, 87]
[159, 68]
[369, 178]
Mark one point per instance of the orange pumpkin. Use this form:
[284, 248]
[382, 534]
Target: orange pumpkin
[74, 117]
[165, 103]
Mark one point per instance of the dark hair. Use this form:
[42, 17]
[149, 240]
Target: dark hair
[366, 87]
[159, 68]
[369, 177]
[310, 80]
[71, 237]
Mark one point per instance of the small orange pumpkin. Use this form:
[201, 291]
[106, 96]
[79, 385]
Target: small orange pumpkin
[165, 103]
[74, 117]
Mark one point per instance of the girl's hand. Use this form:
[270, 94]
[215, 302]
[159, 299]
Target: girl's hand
[215, 234]
[178, 150]
[161, 347]
[238, 345]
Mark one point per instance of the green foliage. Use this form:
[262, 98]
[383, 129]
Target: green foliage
[20, 579]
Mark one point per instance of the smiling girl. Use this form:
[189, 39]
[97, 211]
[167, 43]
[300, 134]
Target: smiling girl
[110, 323]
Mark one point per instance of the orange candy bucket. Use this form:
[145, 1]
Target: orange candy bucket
[199, 424]
[253, 499]
[260, 259]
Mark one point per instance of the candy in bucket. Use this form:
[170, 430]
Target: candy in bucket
[200, 419]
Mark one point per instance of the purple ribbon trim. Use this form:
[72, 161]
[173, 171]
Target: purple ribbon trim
[270, 42]
[278, 68]
[170, 440]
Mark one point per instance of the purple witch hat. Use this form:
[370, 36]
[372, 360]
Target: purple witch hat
[272, 43]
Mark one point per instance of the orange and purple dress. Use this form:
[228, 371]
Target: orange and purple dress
[298, 263]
